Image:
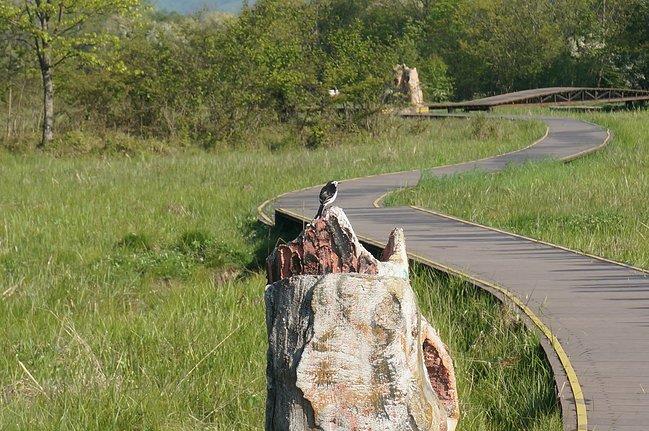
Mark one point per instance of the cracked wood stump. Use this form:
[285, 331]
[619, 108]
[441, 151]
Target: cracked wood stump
[348, 348]
[406, 80]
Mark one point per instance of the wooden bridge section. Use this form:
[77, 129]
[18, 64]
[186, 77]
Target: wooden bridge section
[551, 95]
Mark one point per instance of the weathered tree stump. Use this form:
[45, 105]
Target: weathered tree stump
[406, 80]
[348, 348]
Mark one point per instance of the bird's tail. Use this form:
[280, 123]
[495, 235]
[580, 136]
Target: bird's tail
[320, 210]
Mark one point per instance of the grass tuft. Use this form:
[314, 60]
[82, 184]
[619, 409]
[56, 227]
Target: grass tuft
[135, 242]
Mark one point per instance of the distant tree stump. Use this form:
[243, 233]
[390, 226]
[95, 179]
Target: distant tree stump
[348, 348]
[406, 81]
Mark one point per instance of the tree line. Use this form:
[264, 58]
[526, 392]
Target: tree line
[215, 78]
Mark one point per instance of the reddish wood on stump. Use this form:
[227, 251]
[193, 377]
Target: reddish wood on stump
[325, 246]
[438, 374]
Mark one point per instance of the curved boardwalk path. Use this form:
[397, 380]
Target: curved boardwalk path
[594, 313]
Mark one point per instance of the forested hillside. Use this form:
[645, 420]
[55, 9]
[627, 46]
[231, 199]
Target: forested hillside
[215, 79]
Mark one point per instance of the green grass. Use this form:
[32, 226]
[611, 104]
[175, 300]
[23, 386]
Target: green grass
[132, 289]
[597, 204]
[504, 381]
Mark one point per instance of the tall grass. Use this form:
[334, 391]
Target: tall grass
[504, 381]
[597, 204]
[132, 290]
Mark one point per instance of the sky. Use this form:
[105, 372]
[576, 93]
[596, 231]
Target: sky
[187, 6]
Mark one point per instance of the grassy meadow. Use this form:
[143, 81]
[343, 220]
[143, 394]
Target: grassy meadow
[132, 289]
[597, 204]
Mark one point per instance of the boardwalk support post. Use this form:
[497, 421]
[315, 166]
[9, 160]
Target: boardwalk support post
[348, 348]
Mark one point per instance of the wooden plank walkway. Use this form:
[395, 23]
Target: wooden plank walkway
[553, 95]
[594, 313]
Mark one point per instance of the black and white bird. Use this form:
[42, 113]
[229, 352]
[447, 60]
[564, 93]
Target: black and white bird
[327, 196]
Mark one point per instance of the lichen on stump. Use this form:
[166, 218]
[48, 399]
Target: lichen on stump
[348, 348]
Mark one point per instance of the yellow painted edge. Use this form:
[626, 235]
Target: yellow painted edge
[590, 150]
[261, 214]
[378, 201]
[545, 135]
[264, 218]
[538, 241]
[573, 380]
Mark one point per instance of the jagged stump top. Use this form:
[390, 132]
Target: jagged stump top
[329, 245]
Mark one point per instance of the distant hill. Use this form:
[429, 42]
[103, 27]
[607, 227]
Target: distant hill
[188, 6]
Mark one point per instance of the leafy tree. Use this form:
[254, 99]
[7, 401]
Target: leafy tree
[14, 78]
[55, 31]
[216, 78]
[630, 42]
[506, 44]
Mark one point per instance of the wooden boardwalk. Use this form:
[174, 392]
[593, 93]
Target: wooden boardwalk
[593, 313]
[553, 95]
